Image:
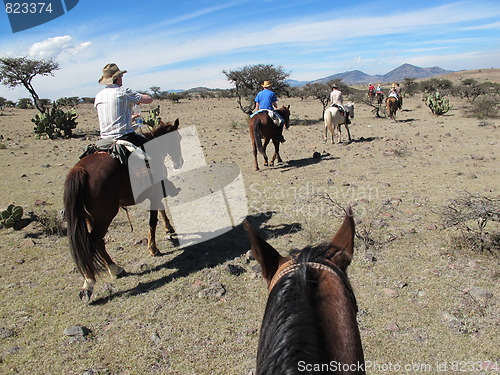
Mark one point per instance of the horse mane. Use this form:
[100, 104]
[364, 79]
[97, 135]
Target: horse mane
[294, 333]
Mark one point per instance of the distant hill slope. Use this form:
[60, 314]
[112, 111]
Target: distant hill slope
[398, 74]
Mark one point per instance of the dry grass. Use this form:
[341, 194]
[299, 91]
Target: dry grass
[153, 321]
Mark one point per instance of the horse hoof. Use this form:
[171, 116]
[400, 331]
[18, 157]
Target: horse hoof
[155, 252]
[85, 295]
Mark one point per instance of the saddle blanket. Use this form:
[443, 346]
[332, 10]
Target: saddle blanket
[275, 116]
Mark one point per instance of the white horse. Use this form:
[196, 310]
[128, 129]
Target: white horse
[334, 118]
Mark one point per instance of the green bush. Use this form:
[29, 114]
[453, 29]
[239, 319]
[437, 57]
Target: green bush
[437, 103]
[55, 123]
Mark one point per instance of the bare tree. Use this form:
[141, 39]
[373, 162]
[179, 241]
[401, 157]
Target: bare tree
[16, 71]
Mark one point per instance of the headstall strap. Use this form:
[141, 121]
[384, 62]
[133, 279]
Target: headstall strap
[290, 266]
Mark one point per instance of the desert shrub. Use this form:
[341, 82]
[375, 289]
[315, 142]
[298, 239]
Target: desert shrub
[68, 102]
[436, 84]
[25, 103]
[55, 123]
[471, 216]
[51, 222]
[484, 107]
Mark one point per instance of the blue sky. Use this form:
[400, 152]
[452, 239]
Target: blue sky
[184, 44]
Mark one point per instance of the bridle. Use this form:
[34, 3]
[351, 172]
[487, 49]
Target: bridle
[290, 266]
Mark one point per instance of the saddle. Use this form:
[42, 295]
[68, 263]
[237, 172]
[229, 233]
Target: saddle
[117, 149]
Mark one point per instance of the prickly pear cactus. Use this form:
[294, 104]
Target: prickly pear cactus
[10, 216]
[55, 123]
[152, 119]
[437, 103]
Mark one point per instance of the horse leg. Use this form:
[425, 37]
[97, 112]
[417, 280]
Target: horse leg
[264, 146]
[153, 222]
[169, 229]
[276, 152]
[339, 132]
[348, 133]
[255, 163]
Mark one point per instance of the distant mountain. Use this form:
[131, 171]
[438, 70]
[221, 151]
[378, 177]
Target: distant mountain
[398, 74]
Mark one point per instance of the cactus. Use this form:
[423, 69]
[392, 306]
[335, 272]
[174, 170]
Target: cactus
[55, 123]
[152, 119]
[437, 103]
[10, 216]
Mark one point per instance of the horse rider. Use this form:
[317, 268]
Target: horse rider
[114, 106]
[371, 89]
[337, 101]
[266, 99]
[395, 89]
[379, 89]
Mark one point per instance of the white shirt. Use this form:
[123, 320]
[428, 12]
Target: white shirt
[114, 107]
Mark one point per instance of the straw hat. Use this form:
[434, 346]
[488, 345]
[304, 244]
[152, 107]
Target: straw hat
[109, 73]
[266, 84]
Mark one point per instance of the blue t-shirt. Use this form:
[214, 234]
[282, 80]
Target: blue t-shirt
[266, 98]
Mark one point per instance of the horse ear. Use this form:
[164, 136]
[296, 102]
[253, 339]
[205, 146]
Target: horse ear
[288, 106]
[268, 258]
[176, 123]
[342, 244]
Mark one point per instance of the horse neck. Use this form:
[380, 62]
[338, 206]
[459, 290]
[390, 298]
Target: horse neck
[337, 315]
[308, 320]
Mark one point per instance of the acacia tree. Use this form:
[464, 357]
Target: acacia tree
[16, 71]
[321, 91]
[248, 82]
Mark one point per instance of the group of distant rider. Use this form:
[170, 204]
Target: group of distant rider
[395, 92]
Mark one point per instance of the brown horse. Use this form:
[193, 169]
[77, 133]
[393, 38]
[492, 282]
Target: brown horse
[310, 316]
[380, 97]
[371, 96]
[95, 188]
[392, 105]
[262, 126]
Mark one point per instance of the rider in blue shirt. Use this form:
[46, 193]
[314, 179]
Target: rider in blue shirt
[266, 99]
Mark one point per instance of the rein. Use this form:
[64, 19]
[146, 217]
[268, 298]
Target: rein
[290, 266]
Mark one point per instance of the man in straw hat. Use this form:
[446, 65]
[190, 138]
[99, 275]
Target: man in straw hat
[266, 100]
[114, 106]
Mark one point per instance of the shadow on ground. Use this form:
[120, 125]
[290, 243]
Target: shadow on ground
[207, 254]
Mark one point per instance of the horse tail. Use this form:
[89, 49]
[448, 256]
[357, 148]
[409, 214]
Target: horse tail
[82, 247]
[327, 117]
[258, 137]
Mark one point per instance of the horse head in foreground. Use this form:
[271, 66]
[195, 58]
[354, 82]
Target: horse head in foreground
[309, 324]
[94, 190]
[333, 118]
[262, 126]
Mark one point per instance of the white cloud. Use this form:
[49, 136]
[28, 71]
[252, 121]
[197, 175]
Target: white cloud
[53, 47]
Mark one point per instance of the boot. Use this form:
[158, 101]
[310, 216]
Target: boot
[347, 120]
